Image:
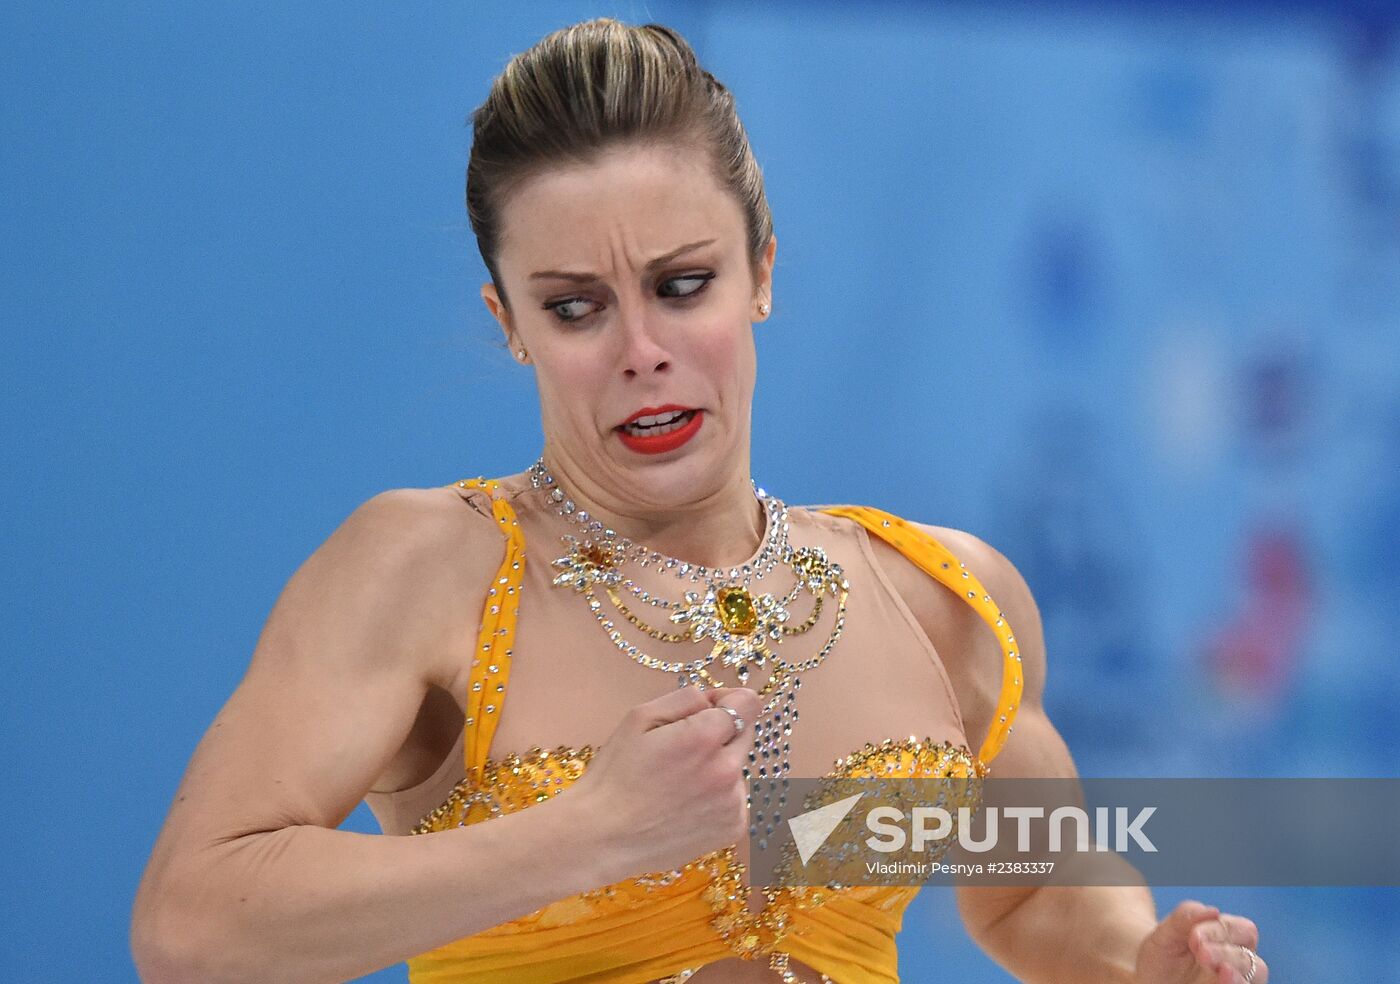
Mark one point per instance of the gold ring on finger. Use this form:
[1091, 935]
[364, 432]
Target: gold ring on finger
[1253, 965]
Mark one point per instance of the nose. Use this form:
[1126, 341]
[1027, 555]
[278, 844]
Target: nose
[643, 350]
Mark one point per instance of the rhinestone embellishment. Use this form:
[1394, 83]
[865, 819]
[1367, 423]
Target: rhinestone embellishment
[743, 625]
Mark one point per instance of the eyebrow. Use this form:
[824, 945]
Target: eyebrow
[582, 278]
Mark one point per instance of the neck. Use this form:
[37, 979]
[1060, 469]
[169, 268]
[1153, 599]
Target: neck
[722, 528]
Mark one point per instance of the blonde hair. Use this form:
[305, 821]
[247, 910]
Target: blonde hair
[590, 87]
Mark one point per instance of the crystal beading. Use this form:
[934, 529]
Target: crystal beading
[743, 625]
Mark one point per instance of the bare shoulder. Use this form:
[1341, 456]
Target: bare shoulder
[414, 534]
[419, 555]
[338, 675]
[1008, 588]
[426, 521]
[990, 566]
[417, 508]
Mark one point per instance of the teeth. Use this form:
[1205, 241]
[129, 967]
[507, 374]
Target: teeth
[661, 418]
[673, 421]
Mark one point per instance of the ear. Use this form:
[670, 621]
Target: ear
[492, 298]
[763, 280]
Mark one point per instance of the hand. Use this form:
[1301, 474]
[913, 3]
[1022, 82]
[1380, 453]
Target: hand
[667, 786]
[1197, 944]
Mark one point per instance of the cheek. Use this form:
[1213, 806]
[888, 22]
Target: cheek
[727, 353]
[569, 388]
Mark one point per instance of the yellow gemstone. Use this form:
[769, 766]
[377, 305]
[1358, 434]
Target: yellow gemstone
[736, 612]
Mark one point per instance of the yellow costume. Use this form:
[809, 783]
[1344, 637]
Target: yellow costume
[661, 925]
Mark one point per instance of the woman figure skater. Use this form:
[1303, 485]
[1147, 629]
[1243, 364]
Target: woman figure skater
[556, 686]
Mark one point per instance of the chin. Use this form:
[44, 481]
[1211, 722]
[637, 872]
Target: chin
[679, 479]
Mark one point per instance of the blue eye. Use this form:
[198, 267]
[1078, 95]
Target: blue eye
[684, 286]
[570, 309]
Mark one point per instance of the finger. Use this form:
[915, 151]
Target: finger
[1235, 962]
[1242, 958]
[739, 753]
[1239, 929]
[706, 731]
[1228, 930]
[1209, 954]
[1212, 932]
[1189, 912]
[678, 705]
[727, 727]
[1180, 932]
[742, 727]
[737, 705]
[743, 699]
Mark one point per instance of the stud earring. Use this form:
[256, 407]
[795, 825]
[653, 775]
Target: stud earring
[521, 353]
[763, 308]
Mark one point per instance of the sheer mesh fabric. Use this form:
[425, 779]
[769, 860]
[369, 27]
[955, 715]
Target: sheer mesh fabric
[552, 685]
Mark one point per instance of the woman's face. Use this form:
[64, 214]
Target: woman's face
[631, 288]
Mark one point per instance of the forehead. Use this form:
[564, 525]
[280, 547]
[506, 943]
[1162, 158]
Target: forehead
[630, 204]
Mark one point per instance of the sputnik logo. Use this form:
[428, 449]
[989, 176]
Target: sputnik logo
[811, 829]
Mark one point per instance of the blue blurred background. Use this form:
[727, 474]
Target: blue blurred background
[1115, 287]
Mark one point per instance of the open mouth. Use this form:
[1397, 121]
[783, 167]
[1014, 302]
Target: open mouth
[661, 423]
[661, 432]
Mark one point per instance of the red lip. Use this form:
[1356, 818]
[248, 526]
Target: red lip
[662, 443]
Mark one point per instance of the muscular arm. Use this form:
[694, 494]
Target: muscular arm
[248, 879]
[1053, 934]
